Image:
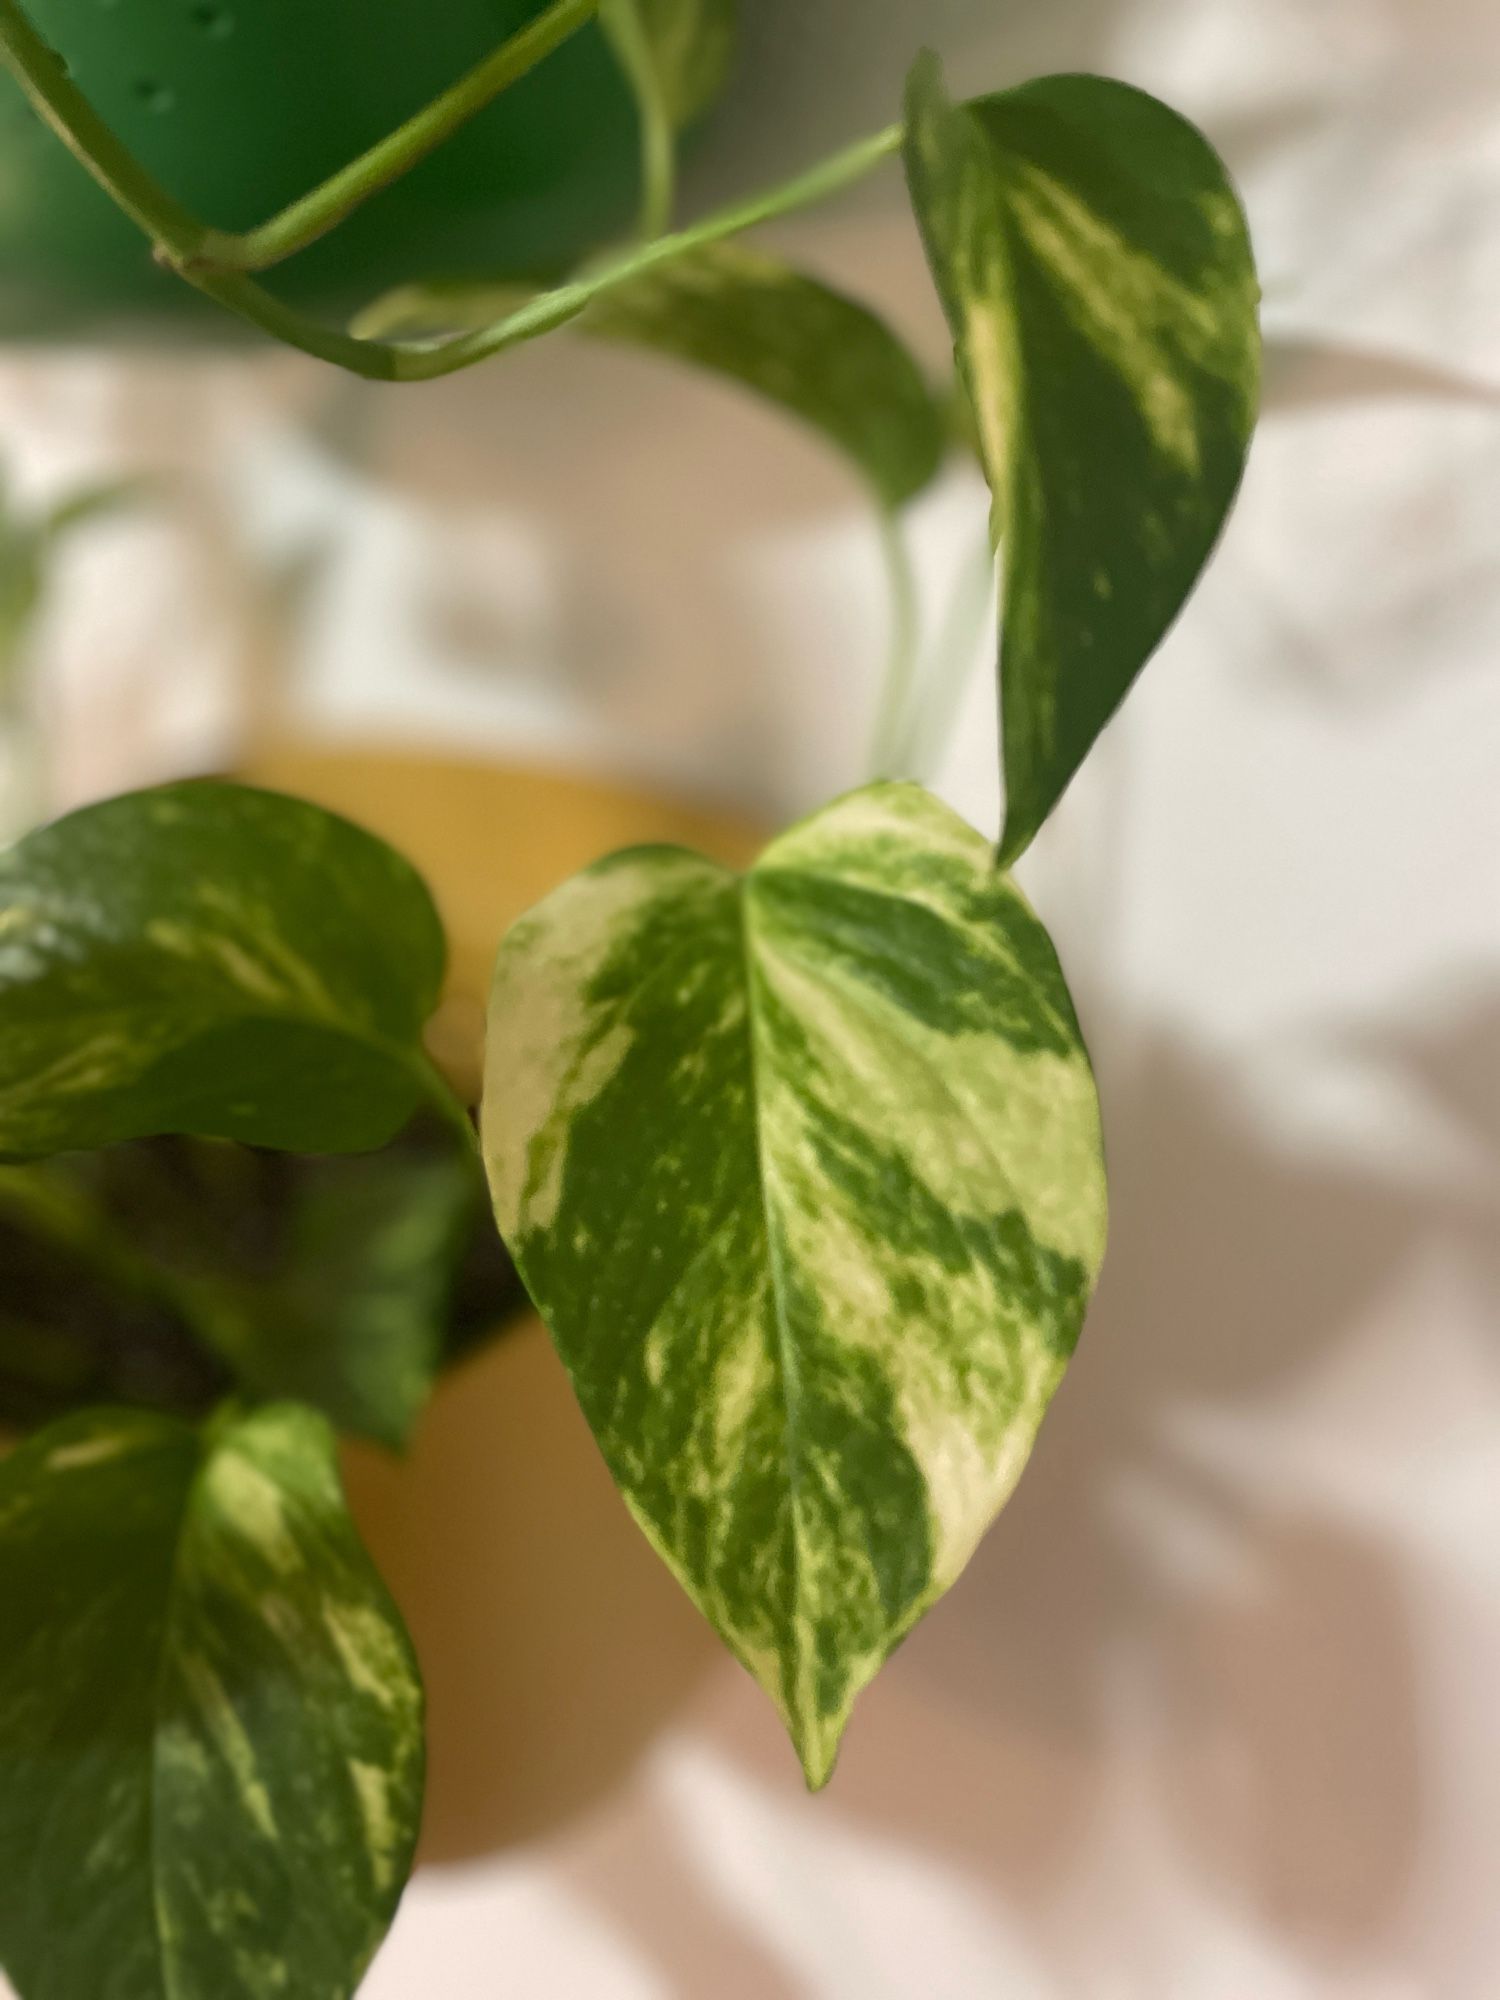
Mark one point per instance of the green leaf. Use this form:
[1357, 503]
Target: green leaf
[1093, 261]
[795, 342]
[211, 959]
[147, 1273]
[86, 1314]
[803, 1170]
[821, 357]
[210, 1718]
[355, 1317]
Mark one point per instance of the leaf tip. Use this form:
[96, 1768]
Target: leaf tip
[926, 73]
[1015, 837]
[816, 1740]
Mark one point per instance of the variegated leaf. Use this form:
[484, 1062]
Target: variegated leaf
[1094, 264]
[210, 1718]
[795, 342]
[803, 1169]
[208, 958]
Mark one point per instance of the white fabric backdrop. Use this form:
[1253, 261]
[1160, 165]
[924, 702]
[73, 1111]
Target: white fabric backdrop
[1212, 1718]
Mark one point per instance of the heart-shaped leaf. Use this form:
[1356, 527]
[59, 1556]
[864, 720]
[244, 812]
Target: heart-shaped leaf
[210, 1719]
[803, 1170]
[213, 959]
[1094, 264]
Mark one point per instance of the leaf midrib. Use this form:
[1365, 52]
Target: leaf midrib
[203, 1451]
[788, 1371]
[1008, 960]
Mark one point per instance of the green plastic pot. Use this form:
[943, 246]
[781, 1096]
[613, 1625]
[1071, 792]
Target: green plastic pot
[238, 106]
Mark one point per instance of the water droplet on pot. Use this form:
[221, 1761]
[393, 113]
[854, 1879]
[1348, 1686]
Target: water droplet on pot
[213, 19]
[155, 96]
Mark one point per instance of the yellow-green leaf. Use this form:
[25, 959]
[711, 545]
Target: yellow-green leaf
[210, 1718]
[802, 1168]
[212, 959]
[1094, 263]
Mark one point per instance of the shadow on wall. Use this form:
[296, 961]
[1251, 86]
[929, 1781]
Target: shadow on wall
[1266, 1647]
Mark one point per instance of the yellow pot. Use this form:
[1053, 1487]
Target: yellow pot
[553, 1643]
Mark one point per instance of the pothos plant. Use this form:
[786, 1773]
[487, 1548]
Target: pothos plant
[801, 1166]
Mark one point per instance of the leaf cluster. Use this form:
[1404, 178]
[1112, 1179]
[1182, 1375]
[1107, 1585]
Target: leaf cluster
[801, 1165]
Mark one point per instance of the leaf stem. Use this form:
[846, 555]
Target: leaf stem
[425, 361]
[311, 216]
[622, 23]
[41, 73]
[417, 361]
[208, 260]
[442, 1099]
[953, 660]
[892, 732]
[218, 264]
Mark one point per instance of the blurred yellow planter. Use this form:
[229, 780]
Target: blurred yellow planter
[553, 1643]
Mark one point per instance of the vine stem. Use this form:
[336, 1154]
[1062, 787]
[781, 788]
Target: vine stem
[891, 732]
[441, 1098]
[621, 20]
[549, 310]
[954, 658]
[303, 221]
[425, 361]
[181, 239]
[918, 704]
[195, 249]
[39, 70]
